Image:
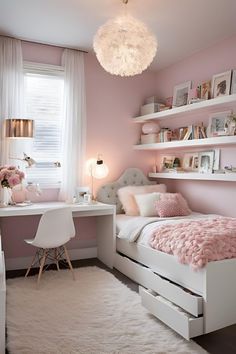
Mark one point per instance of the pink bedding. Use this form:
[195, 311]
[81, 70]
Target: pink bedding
[197, 242]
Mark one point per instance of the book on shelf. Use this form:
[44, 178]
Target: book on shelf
[183, 133]
[195, 132]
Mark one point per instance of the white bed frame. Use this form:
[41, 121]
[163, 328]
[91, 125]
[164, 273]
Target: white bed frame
[190, 302]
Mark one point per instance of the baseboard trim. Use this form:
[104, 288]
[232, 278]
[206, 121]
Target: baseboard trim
[75, 254]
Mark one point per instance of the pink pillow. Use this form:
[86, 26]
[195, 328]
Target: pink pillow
[178, 198]
[172, 205]
[126, 196]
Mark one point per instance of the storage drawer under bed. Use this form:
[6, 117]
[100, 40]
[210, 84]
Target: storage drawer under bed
[190, 302]
[180, 321]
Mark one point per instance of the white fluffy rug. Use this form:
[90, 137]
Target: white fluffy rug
[94, 314]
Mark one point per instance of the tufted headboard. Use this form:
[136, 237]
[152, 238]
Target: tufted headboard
[108, 193]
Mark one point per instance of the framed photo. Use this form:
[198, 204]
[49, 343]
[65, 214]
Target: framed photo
[80, 192]
[190, 162]
[221, 84]
[205, 90]
[167, 162]
[218, 124]
[233, 83]
[181, 94]
[205, 161]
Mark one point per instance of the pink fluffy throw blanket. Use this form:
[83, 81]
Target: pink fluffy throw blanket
[197, 242]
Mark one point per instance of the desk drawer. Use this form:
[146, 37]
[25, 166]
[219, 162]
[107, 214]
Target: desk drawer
[180, 321]
[190, 302]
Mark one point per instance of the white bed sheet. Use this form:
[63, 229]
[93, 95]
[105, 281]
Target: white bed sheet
[138, 228]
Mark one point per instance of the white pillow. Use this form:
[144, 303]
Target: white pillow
[146, 203]
[126, 195]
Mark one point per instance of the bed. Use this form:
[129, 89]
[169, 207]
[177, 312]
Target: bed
[190, 302]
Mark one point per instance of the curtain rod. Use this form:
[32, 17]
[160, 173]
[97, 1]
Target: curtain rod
[52, 45]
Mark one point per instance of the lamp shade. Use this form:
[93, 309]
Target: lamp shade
[19, 128]
[96, 168]
[100, 169]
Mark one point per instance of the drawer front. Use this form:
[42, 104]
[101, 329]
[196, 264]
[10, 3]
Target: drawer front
[188, 301]
[180, 321]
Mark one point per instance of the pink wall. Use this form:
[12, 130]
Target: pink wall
[111, 103]
[209, 197]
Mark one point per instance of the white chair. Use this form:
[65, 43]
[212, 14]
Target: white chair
[55, 229]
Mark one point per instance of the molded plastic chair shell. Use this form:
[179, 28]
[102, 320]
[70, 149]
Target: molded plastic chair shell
[56, 227]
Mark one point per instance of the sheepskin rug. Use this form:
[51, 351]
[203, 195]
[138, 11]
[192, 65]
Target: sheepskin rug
[94, 314]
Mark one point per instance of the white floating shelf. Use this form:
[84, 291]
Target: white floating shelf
[215, 141]
[222, 102]
[226, 177]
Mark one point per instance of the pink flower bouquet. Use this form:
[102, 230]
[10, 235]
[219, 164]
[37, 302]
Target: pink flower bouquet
[10, 176]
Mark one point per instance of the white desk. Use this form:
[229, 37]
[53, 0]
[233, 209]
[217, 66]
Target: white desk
[105, 224]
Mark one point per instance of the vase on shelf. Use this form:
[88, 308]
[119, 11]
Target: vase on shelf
[5, 196]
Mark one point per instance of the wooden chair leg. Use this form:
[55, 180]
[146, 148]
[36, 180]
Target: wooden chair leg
[32, 263]
[56, 258]
[41, 266]
[69, 262]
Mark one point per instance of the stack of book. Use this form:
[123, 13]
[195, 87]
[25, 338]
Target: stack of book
[165, 135]
[191, 132]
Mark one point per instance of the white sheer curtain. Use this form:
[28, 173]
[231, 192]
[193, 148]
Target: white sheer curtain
[11, 86]
[74, 131]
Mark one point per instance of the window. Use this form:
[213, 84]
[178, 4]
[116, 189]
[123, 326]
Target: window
[44, 87]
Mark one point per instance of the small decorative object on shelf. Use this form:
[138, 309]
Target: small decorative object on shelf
[151, 128]
[10, 176]
[181, 94]
[149, 138]
[230, 169]
[153, 105]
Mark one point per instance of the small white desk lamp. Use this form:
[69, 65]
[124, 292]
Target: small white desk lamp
[97, 169]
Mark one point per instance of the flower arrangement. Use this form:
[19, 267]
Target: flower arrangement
[10, 176]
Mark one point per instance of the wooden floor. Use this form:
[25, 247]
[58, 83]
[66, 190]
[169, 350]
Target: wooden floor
[218, 342]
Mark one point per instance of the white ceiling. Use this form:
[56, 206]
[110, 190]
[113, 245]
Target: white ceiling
[182, 27]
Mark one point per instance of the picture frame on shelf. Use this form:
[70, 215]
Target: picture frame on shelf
[233, 83]
[218, 124]
[181, 94]
[167, 162]
[205, 161]
[205, 90]
[190, 162]
[221, 84]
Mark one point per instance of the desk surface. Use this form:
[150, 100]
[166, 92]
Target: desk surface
[40, 208]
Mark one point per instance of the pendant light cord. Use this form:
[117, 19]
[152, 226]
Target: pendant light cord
[125, 2]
